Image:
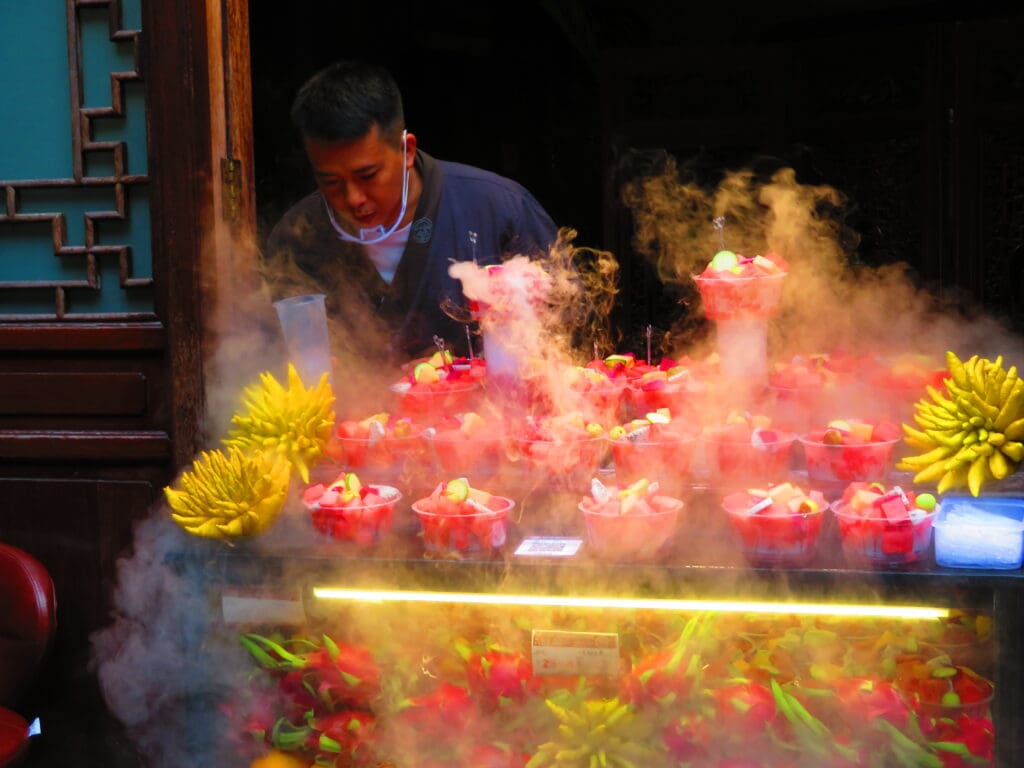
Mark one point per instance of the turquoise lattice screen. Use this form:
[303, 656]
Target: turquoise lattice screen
[74, 211]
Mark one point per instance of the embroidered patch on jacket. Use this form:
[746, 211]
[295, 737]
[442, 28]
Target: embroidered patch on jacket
[421, 230]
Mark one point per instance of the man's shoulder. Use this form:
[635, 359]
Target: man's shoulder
[460, 175]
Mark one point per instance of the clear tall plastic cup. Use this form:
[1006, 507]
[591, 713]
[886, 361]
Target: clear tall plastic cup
[304, 325]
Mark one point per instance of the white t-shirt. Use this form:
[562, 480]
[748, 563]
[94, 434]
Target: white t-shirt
[386, 254]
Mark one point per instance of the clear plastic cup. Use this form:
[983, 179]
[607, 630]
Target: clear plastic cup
[880, 542]
[304, 325]
[363, 524]
[631, 536]
[480, 533]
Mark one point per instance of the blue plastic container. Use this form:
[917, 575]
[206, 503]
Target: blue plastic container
[980, 533]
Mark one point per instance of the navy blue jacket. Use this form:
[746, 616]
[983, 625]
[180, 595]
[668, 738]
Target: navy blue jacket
[374, 319]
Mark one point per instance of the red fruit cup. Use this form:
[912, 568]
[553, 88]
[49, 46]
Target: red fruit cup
[732, 461]
[600, 403]
[803, 407]
[829, 463]
[875, 540]
[727, 298]
[424, 401]
[381, 453]
[666, 459]
[459, 455]
[686, 397]
[363, 524]
[559, 459]
[631, 536]
[956, 691]
[477, 533]
[768, 539]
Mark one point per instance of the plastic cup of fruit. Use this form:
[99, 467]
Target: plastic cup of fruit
[570, 456]
[633, 536]
[386, 452]
[666, 458]
[731, 460]
[451, 528]
[686, 396]
[726, 298]
[843, 463]
[802, 407]
[458, 454]
[878, 541]
[426, 400]
[363, 521]
[935, 689]
[771, 538]
[600, 402]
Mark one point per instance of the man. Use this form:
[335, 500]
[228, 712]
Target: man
[378, 235]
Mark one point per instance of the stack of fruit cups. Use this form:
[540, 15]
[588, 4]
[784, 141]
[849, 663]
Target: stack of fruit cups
[740, 294]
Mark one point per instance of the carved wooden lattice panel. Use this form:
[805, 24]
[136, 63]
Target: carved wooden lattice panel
[74, 213]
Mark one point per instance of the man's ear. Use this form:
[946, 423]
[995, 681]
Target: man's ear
[410, 149]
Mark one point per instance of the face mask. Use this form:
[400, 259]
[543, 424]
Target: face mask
[376, 234]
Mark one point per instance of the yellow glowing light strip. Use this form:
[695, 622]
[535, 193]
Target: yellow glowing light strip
[654, 604]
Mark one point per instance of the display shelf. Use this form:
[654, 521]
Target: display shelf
[704, 562]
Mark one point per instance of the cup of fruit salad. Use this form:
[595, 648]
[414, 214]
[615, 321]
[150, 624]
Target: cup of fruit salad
[436, 386]
[347, 510]
[896, 383]
[810, 389]
[935, 687]
[629, 522]
[561, 449]
[381, 442]
[656, 447]
[848, 450]
[778, 525]
[597, 395]
[884, 527]
[747, 449]
[679, 386]
[468, 444]
[457, 520]
[734, 286]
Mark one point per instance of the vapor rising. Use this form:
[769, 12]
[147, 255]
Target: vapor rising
[832, 301]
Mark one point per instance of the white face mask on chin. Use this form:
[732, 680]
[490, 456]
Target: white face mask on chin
[376, 234]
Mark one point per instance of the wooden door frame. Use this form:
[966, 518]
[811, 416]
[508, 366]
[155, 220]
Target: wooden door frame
[199, 96]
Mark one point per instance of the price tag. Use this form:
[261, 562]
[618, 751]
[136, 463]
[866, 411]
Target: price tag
[255, 607]
[575, 653]
[551, 546]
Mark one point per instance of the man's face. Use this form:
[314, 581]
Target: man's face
[362, 179]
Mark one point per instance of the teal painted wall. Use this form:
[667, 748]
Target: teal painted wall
[40, 111]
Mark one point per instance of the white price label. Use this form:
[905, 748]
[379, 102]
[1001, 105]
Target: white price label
[575, 653]
[552, 546]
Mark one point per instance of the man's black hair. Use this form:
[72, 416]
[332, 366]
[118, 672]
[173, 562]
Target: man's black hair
[343, 101]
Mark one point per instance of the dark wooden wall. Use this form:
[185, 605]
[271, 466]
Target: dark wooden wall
[911, 109]
[917, 121]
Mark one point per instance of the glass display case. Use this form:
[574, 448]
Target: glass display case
[542, 653]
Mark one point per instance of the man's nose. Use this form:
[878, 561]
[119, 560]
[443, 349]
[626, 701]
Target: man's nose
[354, 196]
